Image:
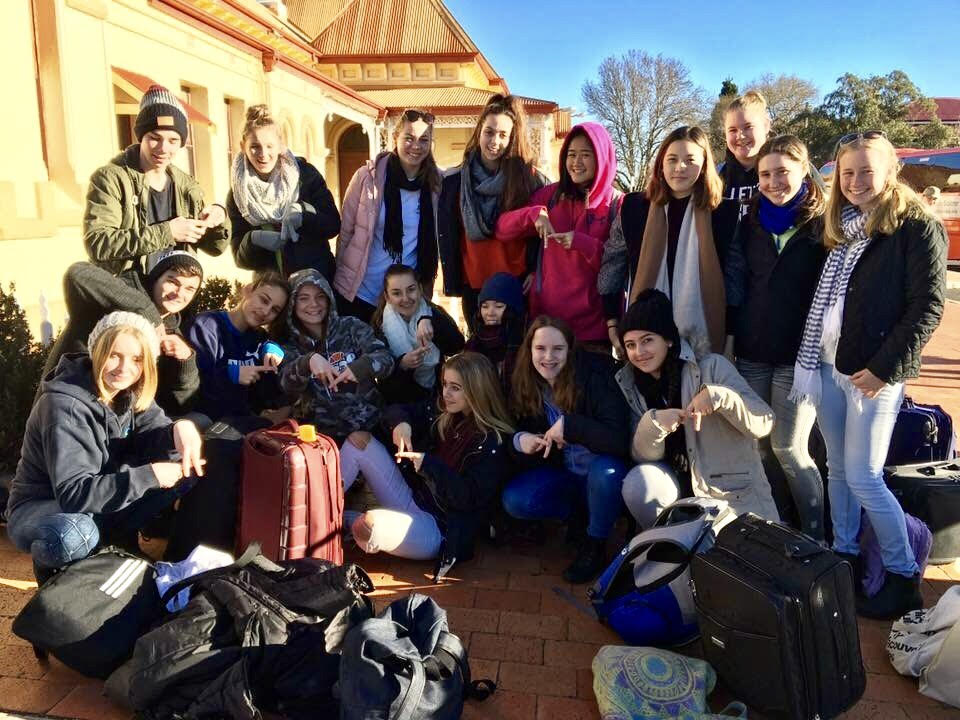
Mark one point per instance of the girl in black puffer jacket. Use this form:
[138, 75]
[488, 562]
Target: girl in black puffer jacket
[772, 268]
[879, 299]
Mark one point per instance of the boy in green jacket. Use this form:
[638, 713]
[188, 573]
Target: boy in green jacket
[141, 203]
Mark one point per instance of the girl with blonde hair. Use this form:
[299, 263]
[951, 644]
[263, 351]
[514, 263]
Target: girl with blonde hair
[99, 457]
[878, 301]
[281, 211]
[457, 460]
[772, 269]
[665, 238]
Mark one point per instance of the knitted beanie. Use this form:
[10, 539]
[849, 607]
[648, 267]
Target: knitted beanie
[503, 287]
[162, 260]
[160, 110]
[129, 319]
[651, 312]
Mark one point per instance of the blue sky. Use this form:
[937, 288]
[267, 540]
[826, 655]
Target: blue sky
[547, 49]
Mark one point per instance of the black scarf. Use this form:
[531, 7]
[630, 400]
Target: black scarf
[662, 393]
[397, 180]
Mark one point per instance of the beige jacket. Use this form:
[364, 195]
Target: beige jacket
[724, 458]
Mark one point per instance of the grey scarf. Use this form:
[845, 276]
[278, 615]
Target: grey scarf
[265, 202]
[479, 198]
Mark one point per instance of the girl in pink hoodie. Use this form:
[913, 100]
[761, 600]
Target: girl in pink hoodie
[572, 218]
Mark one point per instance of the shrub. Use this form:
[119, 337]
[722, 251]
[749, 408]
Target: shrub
[21, 363]
[216, 293]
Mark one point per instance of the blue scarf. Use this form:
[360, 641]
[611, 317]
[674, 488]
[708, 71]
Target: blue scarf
[777, 219]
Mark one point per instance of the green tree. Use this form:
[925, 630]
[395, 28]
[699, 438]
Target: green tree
[878, 102]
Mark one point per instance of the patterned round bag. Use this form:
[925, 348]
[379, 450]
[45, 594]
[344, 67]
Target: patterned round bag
[639, 683]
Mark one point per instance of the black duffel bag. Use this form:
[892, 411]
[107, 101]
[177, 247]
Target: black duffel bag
[90, 614]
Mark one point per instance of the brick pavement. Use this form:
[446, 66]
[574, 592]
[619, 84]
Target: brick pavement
[514, 612]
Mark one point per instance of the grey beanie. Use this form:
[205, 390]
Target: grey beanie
[131, 319]
[160, 110]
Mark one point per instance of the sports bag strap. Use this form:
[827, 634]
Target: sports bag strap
[414, 694]
[735, 707]
[250, 556]
[449, 652]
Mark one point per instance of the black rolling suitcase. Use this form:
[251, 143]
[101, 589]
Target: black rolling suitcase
[931, 492]
[778, 620]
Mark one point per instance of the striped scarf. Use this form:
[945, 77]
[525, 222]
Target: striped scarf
[829, 297]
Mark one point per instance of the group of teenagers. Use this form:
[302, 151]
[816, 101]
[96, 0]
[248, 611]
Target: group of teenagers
[622, 350]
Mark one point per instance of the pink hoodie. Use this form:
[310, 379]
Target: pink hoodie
[566, 282]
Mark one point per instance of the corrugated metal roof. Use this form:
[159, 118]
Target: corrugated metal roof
[393, 27]
[312, 16]
[430, 98]
[948, 110]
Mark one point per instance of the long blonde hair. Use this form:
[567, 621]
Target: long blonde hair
[481, 390]
[897, 200]
[145, 389]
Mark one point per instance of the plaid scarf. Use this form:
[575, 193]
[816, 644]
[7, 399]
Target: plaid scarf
[829, 297]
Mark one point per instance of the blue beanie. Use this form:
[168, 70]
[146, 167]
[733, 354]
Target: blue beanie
[503, 287]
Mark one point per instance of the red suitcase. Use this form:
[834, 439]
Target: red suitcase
[291, 495]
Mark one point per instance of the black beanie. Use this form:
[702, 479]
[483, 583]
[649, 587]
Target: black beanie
[651, 312]
[160, 110]
[503, 287]
[162, 260]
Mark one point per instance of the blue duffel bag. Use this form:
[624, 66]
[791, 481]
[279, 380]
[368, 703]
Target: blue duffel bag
[645, 595]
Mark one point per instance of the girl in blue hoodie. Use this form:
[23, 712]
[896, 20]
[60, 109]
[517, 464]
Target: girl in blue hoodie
[99, 457]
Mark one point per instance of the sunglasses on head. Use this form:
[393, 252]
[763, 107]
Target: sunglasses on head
[855, 136]
[414, 115]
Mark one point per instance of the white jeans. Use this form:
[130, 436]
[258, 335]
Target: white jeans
[647, 490]
[399, 527]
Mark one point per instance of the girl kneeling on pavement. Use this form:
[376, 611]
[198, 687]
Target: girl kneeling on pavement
[331, 366]
[459, 461]
[696, 422]
[573, 425]
[99, 459]
[879, 299]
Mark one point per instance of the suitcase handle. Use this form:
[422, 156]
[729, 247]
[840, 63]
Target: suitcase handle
[791, 550]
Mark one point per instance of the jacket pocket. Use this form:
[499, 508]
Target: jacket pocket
[730, 480]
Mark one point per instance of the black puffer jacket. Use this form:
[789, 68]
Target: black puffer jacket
[461, 499]
[252, 638]
[312, 250]
[894, 301]
[770, 292]
[601, 420]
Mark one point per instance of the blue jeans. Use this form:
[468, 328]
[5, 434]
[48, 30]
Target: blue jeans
[857, 441]
[55, 538]
[789, 440]
[551, 492]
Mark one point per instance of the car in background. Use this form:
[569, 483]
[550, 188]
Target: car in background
[923, 168]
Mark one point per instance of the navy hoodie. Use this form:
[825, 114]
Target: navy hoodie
[88, 456]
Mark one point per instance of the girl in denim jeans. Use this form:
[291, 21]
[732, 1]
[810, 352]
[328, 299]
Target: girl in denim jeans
[573, 431]
[99, 456]
[879, 299]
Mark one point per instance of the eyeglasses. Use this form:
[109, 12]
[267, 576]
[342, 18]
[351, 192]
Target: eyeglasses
[414, 115]
[854, 137]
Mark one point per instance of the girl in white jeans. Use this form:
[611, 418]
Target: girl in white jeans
[456, 481]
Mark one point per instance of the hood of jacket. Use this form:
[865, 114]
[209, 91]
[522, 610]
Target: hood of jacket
[601, 191]
[308, 276]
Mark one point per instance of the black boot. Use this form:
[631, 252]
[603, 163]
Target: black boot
[43, 573]
[577, 525]
[590, 561]
[898, 596]
[856, 565]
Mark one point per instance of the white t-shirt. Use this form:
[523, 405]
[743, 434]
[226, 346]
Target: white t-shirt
[379, 259]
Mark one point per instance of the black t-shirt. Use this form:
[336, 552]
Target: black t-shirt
[160, 208]
[676, 208]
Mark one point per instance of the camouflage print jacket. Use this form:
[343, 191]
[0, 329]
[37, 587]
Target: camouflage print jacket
[348, 342]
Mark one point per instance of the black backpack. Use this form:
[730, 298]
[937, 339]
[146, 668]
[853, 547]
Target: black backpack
[255, 636]
[406, 665]
[90, 614]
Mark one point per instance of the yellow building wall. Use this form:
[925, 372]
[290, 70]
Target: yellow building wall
[90, 36]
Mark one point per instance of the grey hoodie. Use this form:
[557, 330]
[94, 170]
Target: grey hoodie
[348, 342]
[89, 457]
